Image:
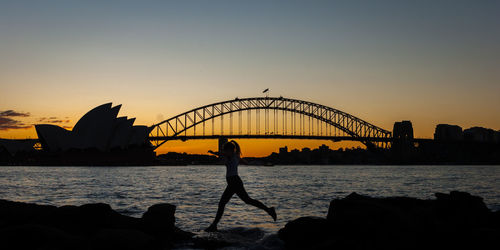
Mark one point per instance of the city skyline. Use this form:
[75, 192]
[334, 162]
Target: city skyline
[430, 62]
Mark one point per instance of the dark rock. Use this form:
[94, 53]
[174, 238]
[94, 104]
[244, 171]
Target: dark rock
[238, 237]
[271, 242]
[159, 221]
[15, 213]
[122, 239]
[460, 209]
[305, 233]
[30, 236]
[454, 220]
[160, 217]
[211, 242]
[495, 219]
[31, 226]
[85, 219]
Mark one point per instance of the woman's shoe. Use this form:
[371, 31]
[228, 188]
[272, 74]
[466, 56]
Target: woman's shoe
[211, 228]
[272, 212]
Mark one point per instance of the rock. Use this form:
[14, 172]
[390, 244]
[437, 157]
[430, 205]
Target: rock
[104, 228]
[159, 221]
[212, 241]
[460, 209]
[454, 220]
[269, 242]
[15, 213]
[305, 233]
[362, 213]
[160, 217]
[495, 219]
[85, 219]
[238, 237]
[30, 236]
[123, 239]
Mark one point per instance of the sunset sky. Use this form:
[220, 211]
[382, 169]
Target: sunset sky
[429, 62]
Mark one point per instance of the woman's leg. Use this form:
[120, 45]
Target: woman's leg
[226, 196]
[242, 193]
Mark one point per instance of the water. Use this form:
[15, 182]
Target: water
[294, 190]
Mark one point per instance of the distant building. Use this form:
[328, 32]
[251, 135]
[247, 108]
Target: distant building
[12, 147]
[324, 148]
[403, 130]
[99, 129]
[324, 154]
[479, 134]
[294, 153]
[402, 133]
[306, 150]
[283, 155]
[448, 133]
[283, 151]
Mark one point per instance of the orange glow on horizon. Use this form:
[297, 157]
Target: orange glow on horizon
[252, 147]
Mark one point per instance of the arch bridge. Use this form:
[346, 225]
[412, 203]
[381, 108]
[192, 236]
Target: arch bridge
[268, 118]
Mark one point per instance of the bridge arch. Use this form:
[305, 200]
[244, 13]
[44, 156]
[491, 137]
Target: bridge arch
[174, 127]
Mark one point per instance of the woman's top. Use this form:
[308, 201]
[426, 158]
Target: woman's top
[232, 165]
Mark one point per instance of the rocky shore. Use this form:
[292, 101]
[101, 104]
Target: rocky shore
[90, 226]
[456, 220]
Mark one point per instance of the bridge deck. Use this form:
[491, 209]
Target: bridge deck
[303, 137]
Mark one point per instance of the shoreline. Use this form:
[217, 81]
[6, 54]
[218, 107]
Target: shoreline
[351, 222]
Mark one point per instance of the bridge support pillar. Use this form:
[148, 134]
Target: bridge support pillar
[403, 138]
[222, 141]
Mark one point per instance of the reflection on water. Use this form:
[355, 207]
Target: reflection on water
[294, 190]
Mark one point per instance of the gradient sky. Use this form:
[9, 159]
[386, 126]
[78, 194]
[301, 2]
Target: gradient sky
[383, 61]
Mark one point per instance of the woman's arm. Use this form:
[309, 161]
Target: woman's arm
[245, 162]
[214, 153]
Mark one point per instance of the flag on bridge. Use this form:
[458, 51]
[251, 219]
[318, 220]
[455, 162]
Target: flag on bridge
[265, 90]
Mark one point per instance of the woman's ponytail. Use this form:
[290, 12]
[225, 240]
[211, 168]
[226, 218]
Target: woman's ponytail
[236, 146]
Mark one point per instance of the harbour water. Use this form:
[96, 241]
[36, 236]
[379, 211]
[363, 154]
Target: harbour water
[295, 191]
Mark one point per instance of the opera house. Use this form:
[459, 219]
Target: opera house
[98, 137]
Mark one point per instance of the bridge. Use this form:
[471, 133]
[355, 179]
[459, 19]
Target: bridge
[268, 118]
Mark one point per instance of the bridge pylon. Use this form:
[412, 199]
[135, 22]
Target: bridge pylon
[222, 141]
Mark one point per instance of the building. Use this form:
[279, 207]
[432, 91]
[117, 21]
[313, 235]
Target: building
[12, 147]
[403, 130]
[324, 148]
[283, 150]
[99, 129]
[448, 133]
[402, 133]
[305, 155]
[479, 134]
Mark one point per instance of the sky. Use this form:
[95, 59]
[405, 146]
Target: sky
[430, 62]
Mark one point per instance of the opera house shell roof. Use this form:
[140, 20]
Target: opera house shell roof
[100, 129]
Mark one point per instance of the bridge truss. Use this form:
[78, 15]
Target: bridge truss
[268, 117]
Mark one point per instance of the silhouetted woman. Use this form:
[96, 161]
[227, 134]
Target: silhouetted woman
[232, 157]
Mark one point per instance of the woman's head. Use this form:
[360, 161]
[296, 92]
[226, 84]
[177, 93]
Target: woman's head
[232, 147]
